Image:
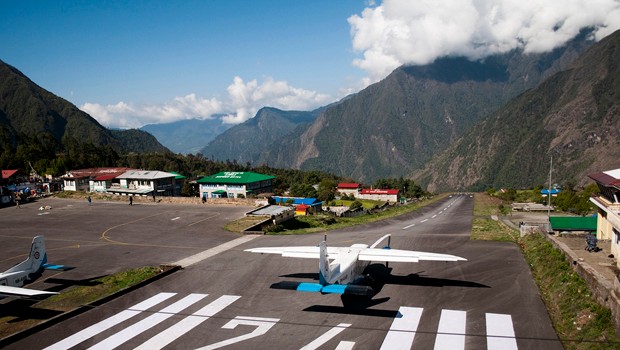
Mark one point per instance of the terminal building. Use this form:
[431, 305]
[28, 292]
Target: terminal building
[229, 184]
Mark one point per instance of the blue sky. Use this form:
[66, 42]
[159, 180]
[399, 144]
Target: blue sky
[129, 63]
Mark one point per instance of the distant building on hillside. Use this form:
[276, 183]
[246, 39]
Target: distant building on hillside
[608, 205]
[349, 189]
[229, 184]
[389, 195]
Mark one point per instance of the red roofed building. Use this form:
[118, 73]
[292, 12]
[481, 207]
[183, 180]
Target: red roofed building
[302, 209]
[387, 195]
[91, 179]
[349, 189]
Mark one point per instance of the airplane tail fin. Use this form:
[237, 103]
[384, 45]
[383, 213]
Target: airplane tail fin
[36, 258]
[324, 272]
[388, 236]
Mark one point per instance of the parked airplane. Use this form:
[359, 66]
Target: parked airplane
[12, 280]
[344, 274]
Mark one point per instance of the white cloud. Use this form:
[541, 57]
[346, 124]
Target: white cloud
[242, 103]
[401, 32]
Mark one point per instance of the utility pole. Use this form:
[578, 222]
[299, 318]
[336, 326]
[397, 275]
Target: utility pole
[549, 194]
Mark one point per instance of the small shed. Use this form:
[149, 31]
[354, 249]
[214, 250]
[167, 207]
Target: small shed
[302, 209]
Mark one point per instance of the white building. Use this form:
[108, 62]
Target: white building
[379, 195]
[144, 183]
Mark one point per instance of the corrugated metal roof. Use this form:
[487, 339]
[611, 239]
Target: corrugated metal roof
[90, 172]
[348, 185]
[230, 177]
[298, 201]
[270, 210]
[607, 178]
[145, 174]
[106, 177]
[573, 223]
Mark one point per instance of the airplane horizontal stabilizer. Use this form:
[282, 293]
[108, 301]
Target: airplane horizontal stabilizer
[298, 286]
[348, 289]
[57, 267]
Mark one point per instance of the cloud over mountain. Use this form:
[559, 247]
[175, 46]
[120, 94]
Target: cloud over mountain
[242, 102]
[401, 32]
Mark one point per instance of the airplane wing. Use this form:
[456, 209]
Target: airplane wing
[22, 292]
[309, 252]
[398, 255]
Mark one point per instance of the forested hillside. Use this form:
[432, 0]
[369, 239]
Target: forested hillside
[42, 129]
[574, 117]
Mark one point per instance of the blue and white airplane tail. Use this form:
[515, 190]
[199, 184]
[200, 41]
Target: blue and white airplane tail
[36, 259]
[13, 279]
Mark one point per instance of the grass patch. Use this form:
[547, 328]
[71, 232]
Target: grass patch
[580, 322]
[321, 222]
[492, 230]
[366, 204]
[28, 313]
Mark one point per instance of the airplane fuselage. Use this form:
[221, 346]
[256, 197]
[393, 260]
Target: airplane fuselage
[14, 279]
[346, 268]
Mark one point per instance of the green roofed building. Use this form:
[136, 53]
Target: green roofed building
[235, 184]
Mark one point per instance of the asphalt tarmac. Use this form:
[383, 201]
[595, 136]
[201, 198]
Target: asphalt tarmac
[225, 301]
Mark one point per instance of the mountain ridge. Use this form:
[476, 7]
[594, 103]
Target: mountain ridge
[49, 124]
[572, 117]
[394, 126]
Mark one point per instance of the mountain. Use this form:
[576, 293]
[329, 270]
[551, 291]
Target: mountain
[245, 141]
[187, 136]
[29, 111]
[395, 126]
[573, 117]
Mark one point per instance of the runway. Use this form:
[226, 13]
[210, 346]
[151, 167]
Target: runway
[225, 300]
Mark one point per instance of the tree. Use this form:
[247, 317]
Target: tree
[303, 190]
[327, 190]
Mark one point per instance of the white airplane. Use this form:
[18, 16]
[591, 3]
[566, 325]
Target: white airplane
[344, 274]
[13, 279]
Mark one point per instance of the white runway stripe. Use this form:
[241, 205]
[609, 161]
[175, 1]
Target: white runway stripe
[188, 323]
[403, 329]
[213, 251]
[345, 345]
[315, 344]
[500, 332]
[451, 332]
[109, 322]
[128, 333]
